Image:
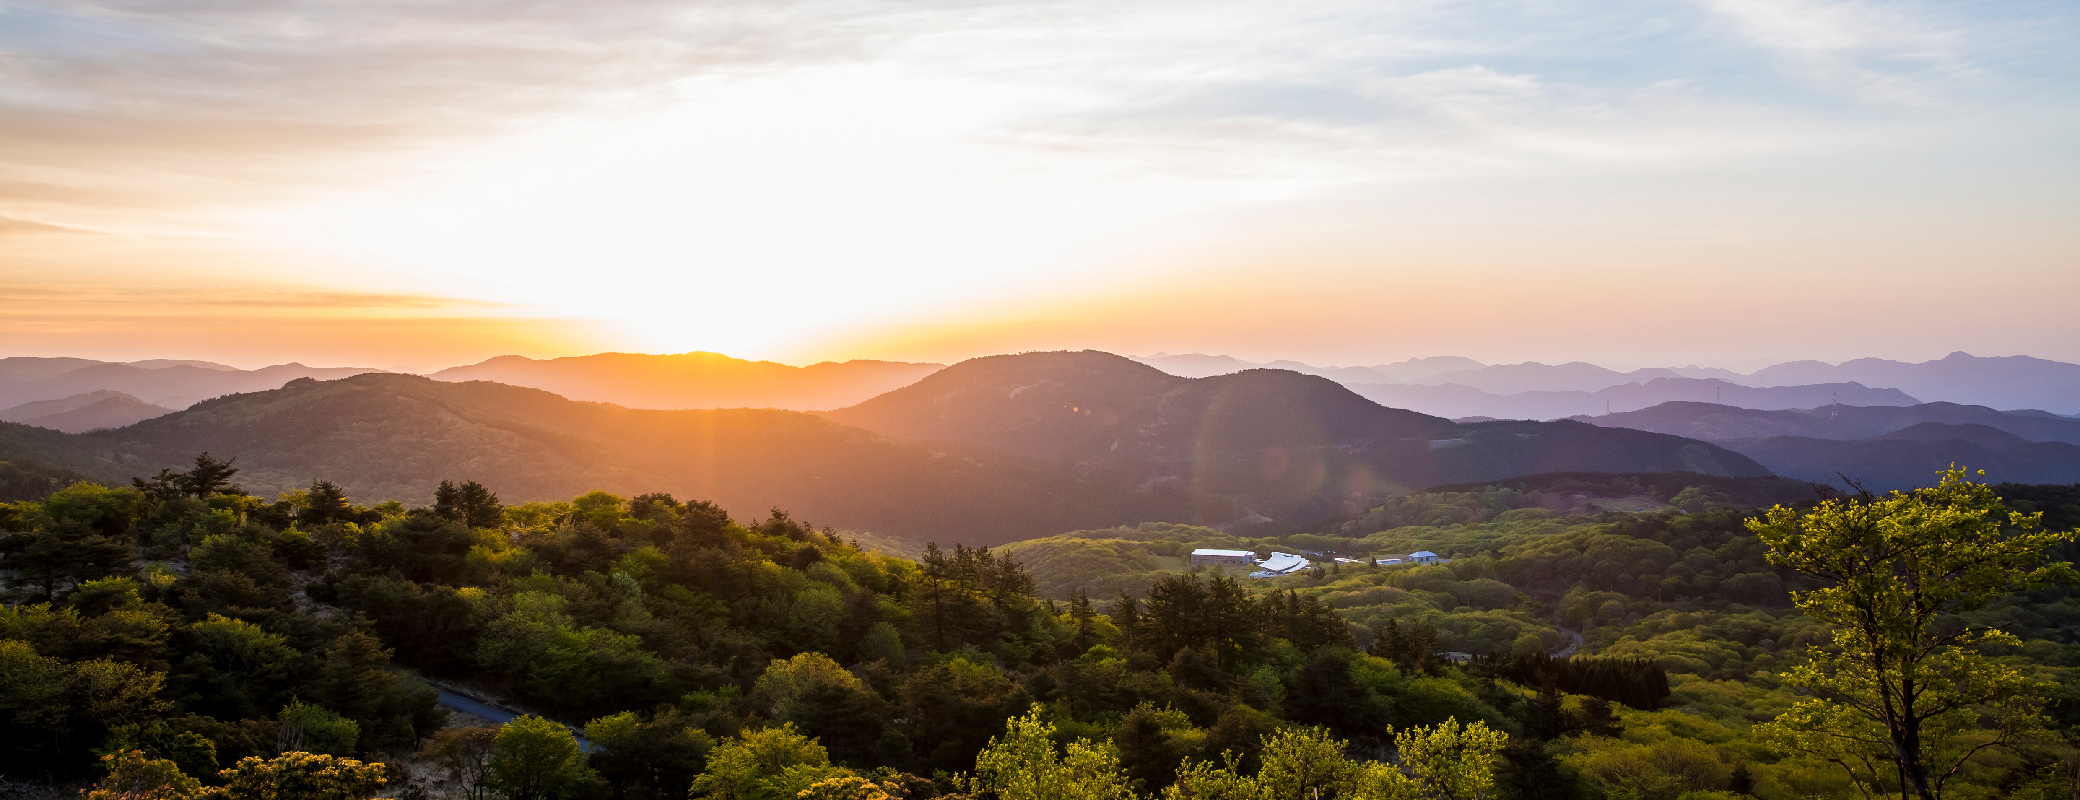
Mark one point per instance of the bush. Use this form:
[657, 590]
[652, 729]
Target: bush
[312, 729]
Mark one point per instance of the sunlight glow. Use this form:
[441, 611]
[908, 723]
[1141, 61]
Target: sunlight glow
[869, 179]
[749, 213]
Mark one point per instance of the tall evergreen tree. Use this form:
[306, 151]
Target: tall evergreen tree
[447, 501]
[211, 477]
[480, 507]
[328, 503]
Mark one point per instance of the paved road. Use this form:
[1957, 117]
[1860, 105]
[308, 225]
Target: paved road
[495, 714]
[1570, 648]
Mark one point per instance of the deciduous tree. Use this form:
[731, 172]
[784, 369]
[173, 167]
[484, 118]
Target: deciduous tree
[465, 754]
[536, 759]
[1024, 764]
[1903, 697]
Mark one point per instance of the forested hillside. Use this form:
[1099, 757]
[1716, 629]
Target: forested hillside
[84, 412]
[189, 624]
[385, 437]
[1683, 585]
[31, 481]
[1909, 457]
[1131, 557]
[1263, 450]
[1717, 423]
[1291, 449]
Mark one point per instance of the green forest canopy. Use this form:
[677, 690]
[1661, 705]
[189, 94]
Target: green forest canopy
[197, 625]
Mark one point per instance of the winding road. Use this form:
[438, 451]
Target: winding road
[497, 715]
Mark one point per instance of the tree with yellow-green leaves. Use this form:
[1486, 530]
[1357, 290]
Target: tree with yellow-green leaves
[775, 763]
[299, 776]
[132, 776]
[1448, 761]
[536, 759]
[1903, 697]
[289, 776]
[850, 787]
[1024, 764]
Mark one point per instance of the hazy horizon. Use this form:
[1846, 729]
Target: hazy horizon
[1744, 366]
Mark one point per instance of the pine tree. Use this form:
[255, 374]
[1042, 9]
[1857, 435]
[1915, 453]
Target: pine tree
[328, 504]
[1080, 611]
[210, 477]
[447, 501]
[480, 507]
[1126, 614]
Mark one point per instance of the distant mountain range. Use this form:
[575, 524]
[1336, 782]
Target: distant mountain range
[1911, 456]
[697, 380]
[2007, 382]
[1286, 446]
[1465, 401]
[84, 412]
[159, 382]
[1414, 370]
[686, 380]
[1464, 388]
[1883, 448]
[1718, 423]
[389, 436]
[1063, 439]
[1446, 386]
[986, 451]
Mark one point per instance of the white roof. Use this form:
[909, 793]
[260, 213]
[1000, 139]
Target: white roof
[1207, 551]
[1282, 563]
[1422, 554]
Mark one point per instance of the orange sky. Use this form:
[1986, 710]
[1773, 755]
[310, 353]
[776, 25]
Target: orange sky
[1725, 182]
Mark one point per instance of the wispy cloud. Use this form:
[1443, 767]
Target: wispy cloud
[878, 157]
[1891, 53]
[160, 299]
[231, 93]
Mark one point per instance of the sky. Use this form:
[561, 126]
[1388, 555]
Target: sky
[422, 184]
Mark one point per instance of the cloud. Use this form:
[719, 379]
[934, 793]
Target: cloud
[160, 299]
[1899, 54]
[170, 103]
[225, 98]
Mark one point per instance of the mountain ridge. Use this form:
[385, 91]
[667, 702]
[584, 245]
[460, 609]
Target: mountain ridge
[1288, 445]
[696, 379]
[1912, 457]
[1027, 445]
[1715, 422]
[2007, 382]
[389, 436]
[1464, 401]
[169, 383]
[103, 408]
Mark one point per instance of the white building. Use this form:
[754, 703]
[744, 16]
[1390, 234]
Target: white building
[1280, 564]
[1426, 557]
[1209, 556]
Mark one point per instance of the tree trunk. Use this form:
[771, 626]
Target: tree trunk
[1913, 775]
